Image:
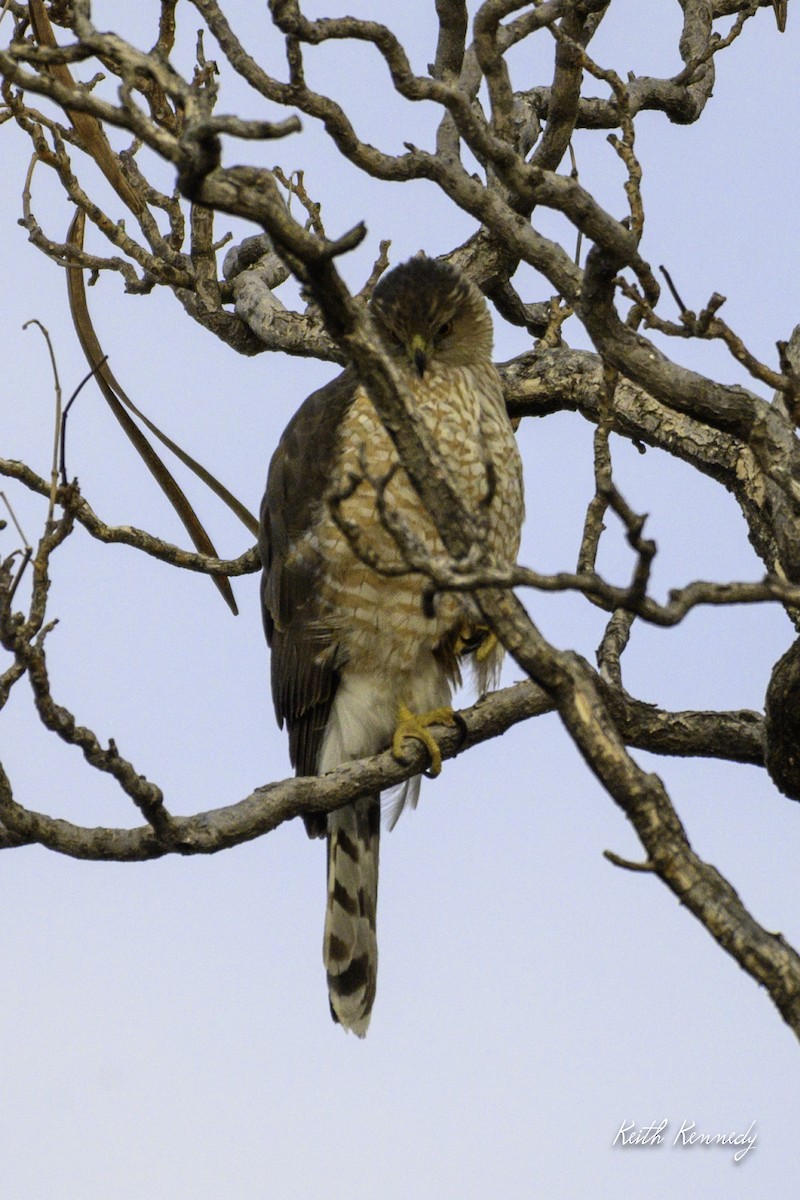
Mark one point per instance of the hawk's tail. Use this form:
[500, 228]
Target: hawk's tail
[350, 947]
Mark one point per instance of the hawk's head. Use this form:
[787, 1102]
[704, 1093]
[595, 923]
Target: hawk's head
[428, 313]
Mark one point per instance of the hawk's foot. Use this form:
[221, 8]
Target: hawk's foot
[415, 725]
[475, 639]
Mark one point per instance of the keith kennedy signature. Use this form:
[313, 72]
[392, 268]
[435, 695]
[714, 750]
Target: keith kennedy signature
[631, 1134]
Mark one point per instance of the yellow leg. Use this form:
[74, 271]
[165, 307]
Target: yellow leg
[415, 725]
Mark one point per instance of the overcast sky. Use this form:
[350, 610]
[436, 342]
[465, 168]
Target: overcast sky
[163, 1027]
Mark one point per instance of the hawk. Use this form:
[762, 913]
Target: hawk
[357, 662]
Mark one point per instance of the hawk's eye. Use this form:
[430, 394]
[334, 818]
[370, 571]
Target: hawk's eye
[443, 330]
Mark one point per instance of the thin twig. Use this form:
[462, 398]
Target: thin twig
[57, 430]
[627, 864]
[67, 407]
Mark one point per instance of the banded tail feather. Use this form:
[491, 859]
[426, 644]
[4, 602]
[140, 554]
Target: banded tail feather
[350, 947]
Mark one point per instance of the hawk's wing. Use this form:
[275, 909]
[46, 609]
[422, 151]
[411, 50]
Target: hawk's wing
[305, 654]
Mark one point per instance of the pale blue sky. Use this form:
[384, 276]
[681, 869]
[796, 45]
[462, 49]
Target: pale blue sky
[163, 1027]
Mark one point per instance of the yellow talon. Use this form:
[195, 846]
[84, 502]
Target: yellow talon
[414, 725]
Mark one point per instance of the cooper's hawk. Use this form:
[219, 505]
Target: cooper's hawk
[353, 652]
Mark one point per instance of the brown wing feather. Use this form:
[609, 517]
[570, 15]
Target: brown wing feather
[305, 655]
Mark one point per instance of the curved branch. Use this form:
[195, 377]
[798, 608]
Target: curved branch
[70, 499]
[267, 807]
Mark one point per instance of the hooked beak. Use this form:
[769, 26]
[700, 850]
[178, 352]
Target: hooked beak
[418, 353]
